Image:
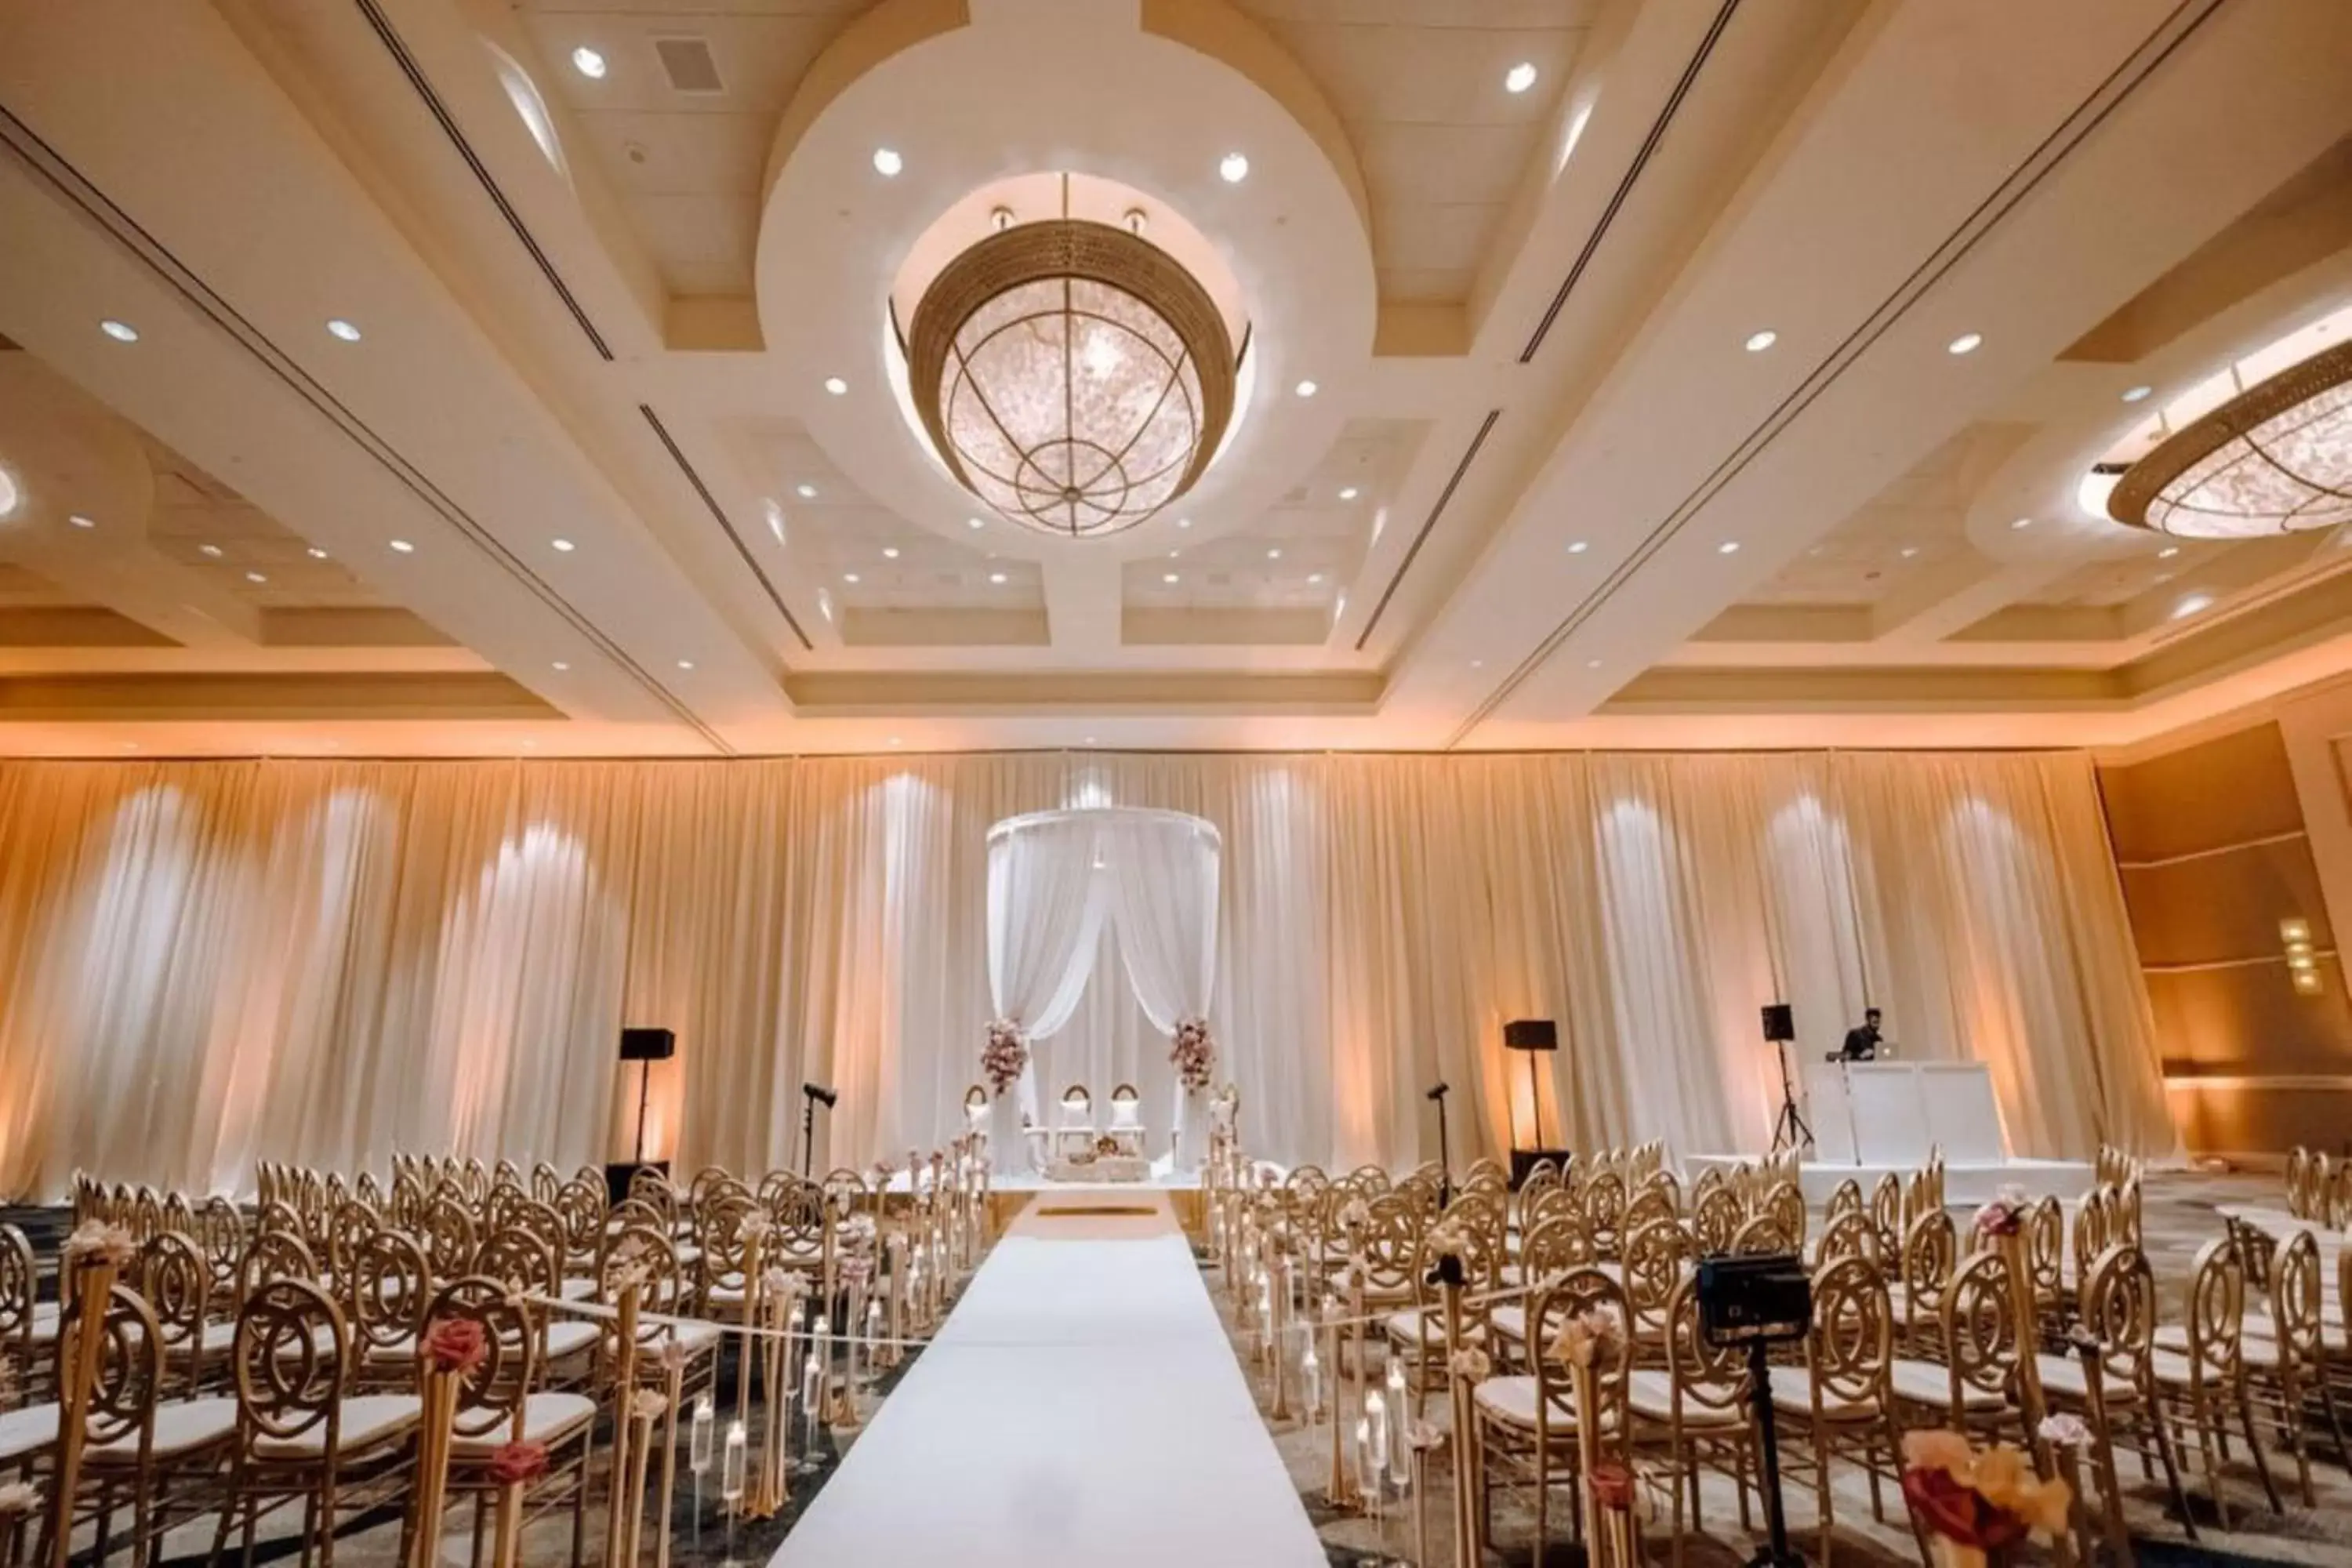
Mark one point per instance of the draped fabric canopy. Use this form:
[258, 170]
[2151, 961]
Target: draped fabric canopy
[202, 965]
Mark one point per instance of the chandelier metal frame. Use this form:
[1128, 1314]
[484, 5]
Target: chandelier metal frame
[1067, 251]
[2144, 485]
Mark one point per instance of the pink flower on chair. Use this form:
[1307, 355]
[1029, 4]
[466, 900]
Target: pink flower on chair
[518, 1464]
[454, 1345]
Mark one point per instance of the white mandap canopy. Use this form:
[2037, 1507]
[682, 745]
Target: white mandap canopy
[1056, 877]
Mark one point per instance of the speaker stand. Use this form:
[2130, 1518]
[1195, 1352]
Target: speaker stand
[1789, 1129]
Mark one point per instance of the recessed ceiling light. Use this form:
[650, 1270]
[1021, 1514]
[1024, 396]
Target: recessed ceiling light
[256, 577]
[686, 664]
[561, 665]
[896, 742]
[1273, 554]
[1183, 523]
[1966, 344]
[402, 547]
[1168, 577]
[343, 330]
[889, 552]
[9, 493]
[996, 576]
[1307, 389]
[1728, 547]
[1578, 546]
[806, 492]
[1477, 664]
[120, 331]
[1909, 551]
[835, 385]
[2190, 604]
[1173, 553]
[564, 545]
[81, 521]
[2020, 522]
[1315, 577]
[2168, 552]
[1759, 342]
[849, 576]
[1593, 664]
[315, 553]
[1090, 740]
[1520, 77]
[1233, 167]
[1348, 493]
[887, 162]
[2134, 394]
[212, 549]
[589, 63]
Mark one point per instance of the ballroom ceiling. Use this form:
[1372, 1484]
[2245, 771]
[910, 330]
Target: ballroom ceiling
[1687, 372]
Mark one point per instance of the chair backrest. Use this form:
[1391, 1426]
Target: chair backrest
[385, 1284]
[445, 1232]
[220, 1232]
[274, 1255]
[177, 1280]
[130, 1376]
[1886, 1214]
[1850, 1234]
[1389, 1243]
[1654, 1256]
[1982, 1333]
[1850, 1347]
[489, 1395]
[2119, 1307]
[292, 1354]
[1844, 1199]
[2296, 1289]
[1784, 1200]
[1125, 1108]
[582, 1207]
[1709, 1378]
[1765, 1233]
[2217, 1314]
[2093, 1227]
[1930, 1251]
[1716, 1214]
[1582, 1290]
[1077, 1106]
[20, 1288]
[520, 1258]
[2045, 1252]
[1605, 1211]
[2298, 1183]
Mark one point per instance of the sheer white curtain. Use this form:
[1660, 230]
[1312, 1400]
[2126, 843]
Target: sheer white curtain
[1045, 909]
[202, 965]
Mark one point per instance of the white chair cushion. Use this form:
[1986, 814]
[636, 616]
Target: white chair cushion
[2063, 1375]
[697, 1337]
[1510, 1322]
[547, 1417]
[1930, 1383]
[182, 1426]
[1792, 1394]
[2259, 1353]
[27, 1431]
[1651, 1393]
[1512, 1400]
[368, 1420]
[568, 1338]
[1126, 1115]
[45, 1323]
[576, 1289]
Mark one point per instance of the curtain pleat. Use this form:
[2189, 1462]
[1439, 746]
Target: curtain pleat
[205, 964]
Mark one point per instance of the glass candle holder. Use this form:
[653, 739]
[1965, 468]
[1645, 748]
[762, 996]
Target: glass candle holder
[731, 1469]
[1310, 1381]
[699, 1436]
[1376, 1416]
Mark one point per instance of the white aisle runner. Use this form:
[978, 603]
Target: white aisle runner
[1081, 1405]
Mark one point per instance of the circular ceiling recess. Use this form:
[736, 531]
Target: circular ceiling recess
[1072, 374]
[2275, 457]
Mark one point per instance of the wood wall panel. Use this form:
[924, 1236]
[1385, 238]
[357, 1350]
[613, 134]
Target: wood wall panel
[2230, 790]
[2226, 905]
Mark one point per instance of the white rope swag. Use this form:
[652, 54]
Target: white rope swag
[1055, 878]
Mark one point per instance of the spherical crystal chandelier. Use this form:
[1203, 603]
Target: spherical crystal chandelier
[1071, 374]
[2275, 458]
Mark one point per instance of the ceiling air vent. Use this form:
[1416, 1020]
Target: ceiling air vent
[689, 67]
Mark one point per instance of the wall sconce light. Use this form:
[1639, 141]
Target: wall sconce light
[2302, 960]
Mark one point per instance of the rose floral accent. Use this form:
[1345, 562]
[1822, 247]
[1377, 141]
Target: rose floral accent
[19, 1499]
[2005, 1216]
[1193, 1054]
[673, 1354]
[647, 1404]
[95, 1241]
[1355, 1214]
[454, 1345]
[1004, 1055]
[1423, 1436]
[857, 1271]
[1977, 1501]
[1589, 1335]
[518, 1464]
[1470, 1363]
[1448, 1239]
[2064, 1429]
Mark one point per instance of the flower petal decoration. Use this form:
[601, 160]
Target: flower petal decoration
[518, 1463]
[454, 1345]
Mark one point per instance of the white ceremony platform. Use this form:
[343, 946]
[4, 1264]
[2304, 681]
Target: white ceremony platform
[1081, 1405]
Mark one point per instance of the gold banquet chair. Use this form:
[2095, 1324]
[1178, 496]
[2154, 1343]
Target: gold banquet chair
[2199, 1368]
[1698, 1406]
[1842, 1399]
[500, 1401]
[1525, 1424]
[301, 1435]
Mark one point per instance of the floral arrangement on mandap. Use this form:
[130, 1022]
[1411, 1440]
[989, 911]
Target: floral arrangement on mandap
[1194, 1054]
[1975, 1504]
[1004, 1055]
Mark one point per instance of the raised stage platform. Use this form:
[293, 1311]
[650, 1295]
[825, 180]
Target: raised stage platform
[1965, 1186]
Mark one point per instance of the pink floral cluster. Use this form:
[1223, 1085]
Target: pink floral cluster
[1004, 1055]
[1196, 1054]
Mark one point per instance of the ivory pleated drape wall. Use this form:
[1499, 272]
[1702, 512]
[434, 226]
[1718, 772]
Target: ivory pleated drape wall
[202, 964]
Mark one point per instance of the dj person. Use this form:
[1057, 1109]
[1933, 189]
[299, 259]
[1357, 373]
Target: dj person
[1864, 1043]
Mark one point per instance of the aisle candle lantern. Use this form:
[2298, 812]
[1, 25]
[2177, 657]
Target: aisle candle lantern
[1392, 1439]
[700, 1433]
